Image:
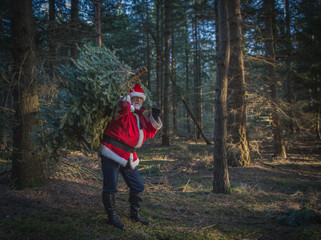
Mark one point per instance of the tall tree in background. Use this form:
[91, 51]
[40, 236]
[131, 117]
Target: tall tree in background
[187, 88]
[174, 94]
[279, 144]
[308, 62]
[166, 104]
[221, 182]
[158, 54]
[198, 109]
[52, 36]
[187, 64]
[148, 47]
[98, 22]
[288, 83]
[239, 154]
[27, 166]
[74, 28]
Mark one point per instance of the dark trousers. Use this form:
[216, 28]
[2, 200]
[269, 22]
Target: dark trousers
[111, 169]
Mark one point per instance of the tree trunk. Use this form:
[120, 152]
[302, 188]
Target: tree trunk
[318, 123]
[98, 22]
[288, 84]
[166, 104]
[183, 100]
[158, 56]
[239, 150]
[27, 165]
[145, 15]
[188, 124]
[174, 94]
[148, 52]
[197, 78]
[221, 182]
[52, 37]
[74, 27]
[279, 144]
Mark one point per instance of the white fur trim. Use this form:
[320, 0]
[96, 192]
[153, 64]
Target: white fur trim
[138, 94]
[157, 125]
[133, 164]
[105, 151]
[127, 98]
[132, 108]
[141, 138]
[141, 133]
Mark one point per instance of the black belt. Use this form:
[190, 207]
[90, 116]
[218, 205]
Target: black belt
[118, 144]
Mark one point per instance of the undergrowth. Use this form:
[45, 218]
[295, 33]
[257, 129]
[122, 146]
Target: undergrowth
[265, 200]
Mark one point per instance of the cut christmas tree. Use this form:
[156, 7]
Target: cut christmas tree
[87, 98]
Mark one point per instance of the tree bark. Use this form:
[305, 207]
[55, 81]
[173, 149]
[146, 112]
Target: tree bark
[147, 55]
[52, 36]
[27, 165]
[279, 144]
[174, 94]
[188, 124]
[197, 78]
[239, 150]
[74, 27]
[98, 22]
[318, 123]
[288, 84]
[148, 51]
[166, 104]
[221, 182]
[158, 56]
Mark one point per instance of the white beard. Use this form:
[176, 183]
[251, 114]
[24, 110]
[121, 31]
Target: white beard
[137, 105]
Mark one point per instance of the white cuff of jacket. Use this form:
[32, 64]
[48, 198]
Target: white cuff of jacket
[156, 124]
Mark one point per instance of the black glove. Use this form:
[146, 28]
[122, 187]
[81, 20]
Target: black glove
[155, 112]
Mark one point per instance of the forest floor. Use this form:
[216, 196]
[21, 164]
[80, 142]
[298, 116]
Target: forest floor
[272, 199]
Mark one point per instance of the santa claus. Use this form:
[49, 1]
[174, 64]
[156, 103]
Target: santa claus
[122, 137]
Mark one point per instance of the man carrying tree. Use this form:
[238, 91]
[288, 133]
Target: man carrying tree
[122, 137]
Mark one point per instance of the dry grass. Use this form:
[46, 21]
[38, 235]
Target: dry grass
[178, 197]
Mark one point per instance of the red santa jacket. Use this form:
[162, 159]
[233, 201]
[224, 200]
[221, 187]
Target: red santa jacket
[130, 128]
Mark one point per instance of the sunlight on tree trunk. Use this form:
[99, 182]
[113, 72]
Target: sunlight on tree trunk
[238, 151]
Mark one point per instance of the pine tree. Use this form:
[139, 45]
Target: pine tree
[88, 95]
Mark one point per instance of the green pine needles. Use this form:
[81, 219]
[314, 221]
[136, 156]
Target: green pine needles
[88, 94]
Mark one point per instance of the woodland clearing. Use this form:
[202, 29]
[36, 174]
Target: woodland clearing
[272, 199]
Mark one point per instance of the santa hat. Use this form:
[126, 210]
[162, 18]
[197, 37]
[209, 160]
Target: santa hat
[138, 92]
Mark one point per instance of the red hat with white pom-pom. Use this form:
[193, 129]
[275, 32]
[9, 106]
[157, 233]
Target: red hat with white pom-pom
[138, 92]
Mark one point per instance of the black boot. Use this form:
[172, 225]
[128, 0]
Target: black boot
[135, 200]
[109, 203]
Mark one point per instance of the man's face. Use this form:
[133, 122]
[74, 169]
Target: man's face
[137, 102]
